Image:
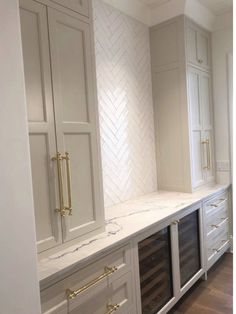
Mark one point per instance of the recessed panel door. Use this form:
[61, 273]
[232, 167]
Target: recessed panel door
[35, 43]
[76, 123]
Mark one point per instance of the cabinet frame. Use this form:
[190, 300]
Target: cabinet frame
[178, 292]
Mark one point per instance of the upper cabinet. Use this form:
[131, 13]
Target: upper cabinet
[198, 46]
[63, 124]
[182, 96]
[80, 6]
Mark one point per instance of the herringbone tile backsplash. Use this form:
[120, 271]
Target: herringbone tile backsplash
[125, 105]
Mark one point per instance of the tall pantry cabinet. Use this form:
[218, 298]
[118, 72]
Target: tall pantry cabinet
[58, 52]
[182, 92]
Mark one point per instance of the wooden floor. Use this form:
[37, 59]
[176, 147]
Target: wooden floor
[214, 296]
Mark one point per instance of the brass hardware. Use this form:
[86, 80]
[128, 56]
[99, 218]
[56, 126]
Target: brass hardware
[69, 207]
[107, 271]
[215, 226]
[59, 158]
[207, 143]
[220, 203]
[112, 308]
[218, 250]
[62, 209]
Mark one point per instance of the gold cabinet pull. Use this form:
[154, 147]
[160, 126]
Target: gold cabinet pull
[107, 271]
[69, 207]
[220, 203]
[58, 159]
[207, 143]
[111, 308]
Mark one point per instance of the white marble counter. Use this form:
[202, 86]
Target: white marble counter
[123, 222]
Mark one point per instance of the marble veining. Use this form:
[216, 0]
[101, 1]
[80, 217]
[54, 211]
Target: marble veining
[123, 222]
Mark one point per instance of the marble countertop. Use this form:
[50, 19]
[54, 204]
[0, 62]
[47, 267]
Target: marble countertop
[123, 222]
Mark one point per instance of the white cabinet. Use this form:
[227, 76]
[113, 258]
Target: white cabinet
[63, 124]
[182, 95]
[198, 46]
[201, 126]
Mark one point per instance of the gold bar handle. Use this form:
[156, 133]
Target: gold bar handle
[208, 155]
[58, 158]
[207, 143]
[112, 308]
[69, 207]
[220, 203]
[107, 271]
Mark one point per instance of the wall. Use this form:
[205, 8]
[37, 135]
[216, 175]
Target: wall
[222, 45]
[125, 104]
[19, 291]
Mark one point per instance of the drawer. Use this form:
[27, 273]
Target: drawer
[93, 278]
[115, 297]
[215, 211]
[80, 6]
[217, 239]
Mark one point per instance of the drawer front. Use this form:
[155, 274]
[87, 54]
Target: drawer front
[95, 277]
[80, 6]
[217, 239]
[216, 211]
[115, 297]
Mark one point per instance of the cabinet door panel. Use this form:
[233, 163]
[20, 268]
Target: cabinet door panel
[203, 49]
[189, 247]
[80, 6]
[206, 101]
[41, 121]
[194, 98]
[76, 119]
[192, 45]
[155, 271]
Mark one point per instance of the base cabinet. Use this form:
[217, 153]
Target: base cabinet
[153, 271]
[217, 227]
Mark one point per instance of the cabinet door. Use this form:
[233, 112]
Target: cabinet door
[198, 46]
[203, 49]
[194, 100]
[155, 267]
[192, 45]
[76, 121]
[80, 6]
[41, 121]
[207, 125]
[189, 247]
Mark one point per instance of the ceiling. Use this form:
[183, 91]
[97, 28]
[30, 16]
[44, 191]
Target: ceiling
[217, 6]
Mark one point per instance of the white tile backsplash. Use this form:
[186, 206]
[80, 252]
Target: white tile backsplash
[125, 104]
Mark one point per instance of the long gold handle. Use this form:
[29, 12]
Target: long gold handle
[207, 143]
[220, 203]
[58, 159]
[208, 155]
[69, 207]
[107, 271]
[112, 308]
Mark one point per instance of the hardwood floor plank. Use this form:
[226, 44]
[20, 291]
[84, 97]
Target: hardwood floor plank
[214, 296]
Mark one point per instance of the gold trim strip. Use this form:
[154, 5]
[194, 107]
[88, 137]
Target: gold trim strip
[112, 308]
